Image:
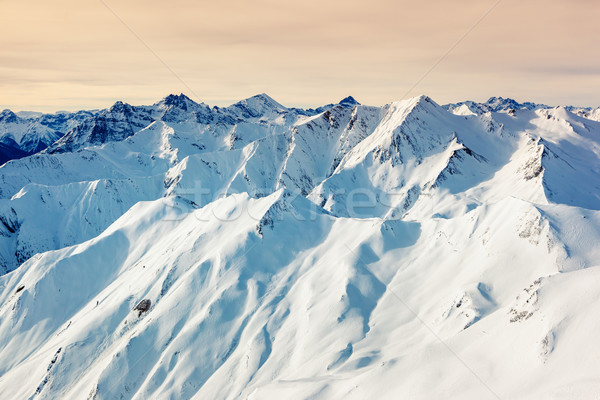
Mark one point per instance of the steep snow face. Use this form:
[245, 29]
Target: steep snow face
[258, 251]
[319, 144]
[417, 148]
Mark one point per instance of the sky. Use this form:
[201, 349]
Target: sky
[69, 55]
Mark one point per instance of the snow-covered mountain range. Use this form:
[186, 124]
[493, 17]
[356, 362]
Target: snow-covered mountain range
[257, 251]
[27, 133]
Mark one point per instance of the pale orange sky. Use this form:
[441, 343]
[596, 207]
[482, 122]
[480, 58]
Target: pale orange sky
[69, 54]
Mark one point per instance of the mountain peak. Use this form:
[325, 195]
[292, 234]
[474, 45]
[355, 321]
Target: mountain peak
[8, 116]
[176, 99]
[420, 100]
[119, 106]
[424, 97]
[501, 103]
[265, 99]
[349, 101]
[257, 106]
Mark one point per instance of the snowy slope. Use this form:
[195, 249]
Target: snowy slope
[113, 155]
[258, 251]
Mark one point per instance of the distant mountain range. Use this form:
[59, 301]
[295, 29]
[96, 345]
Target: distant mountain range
[27, 133]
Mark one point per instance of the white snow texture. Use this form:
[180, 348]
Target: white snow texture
[410, 251]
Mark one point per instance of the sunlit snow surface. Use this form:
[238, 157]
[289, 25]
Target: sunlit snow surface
[410, 251]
